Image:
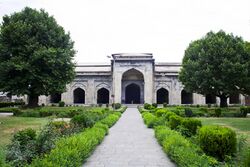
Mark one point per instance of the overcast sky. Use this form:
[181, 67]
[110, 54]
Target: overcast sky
[162, 27]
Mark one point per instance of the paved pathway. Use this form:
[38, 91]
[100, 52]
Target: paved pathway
[129, 143]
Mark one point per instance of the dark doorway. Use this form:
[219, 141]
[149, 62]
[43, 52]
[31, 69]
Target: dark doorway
[79, 96]
[186, 97]
[102, 96]
[210, 99]
[162, 96]
[55, 98]
[234, 98]
[132, 94]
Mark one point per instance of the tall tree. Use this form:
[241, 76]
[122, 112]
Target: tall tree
[216, 64]
[35, 55]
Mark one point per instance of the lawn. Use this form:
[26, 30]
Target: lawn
[10, 125]
[239, 125]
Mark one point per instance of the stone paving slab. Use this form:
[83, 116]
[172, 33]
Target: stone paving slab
[129, 144]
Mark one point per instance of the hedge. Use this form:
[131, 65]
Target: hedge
[217, 141]
[181, 150]
[11, 104]
[72, 151]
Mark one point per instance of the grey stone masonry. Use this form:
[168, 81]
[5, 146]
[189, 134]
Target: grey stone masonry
[129, 143]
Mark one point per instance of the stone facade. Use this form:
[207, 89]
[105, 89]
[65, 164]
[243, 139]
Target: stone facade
[130, 78]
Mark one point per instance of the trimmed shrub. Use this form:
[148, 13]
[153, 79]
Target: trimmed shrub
[217, 112]
[188, 112]
[191, 124]
[160, 112]
[116, 105]
[155, 105]
[61, 104]
[147, 106]
[174, 121]
[149, 119]
[217, 141]
[181, 150]
[168, 115]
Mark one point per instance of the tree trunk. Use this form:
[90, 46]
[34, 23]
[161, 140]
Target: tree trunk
[223, 101]
[33, 101]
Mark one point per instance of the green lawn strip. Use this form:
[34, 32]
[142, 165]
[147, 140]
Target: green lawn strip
[10, 125]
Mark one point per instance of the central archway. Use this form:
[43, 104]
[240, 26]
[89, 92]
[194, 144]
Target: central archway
[132, 87]
[132, 94]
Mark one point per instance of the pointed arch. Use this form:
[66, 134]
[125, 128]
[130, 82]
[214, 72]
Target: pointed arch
[79, 96]
[103, 96]
[162, 96]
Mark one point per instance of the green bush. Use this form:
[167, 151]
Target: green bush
[217, 141]
[147, 106]
[168, 115]
[155, 105]
[188, 112]
[244, 111]
[217, 112]
[160, 112]
[22, 148]
[61, 104]
[72, 151]
[191, 124]
[116, 105]
[181, 150]
[174, 121]
[149, 119]
[165, 105]
[86, 119]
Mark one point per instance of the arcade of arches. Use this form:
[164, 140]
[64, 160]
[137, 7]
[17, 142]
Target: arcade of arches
[132, 78]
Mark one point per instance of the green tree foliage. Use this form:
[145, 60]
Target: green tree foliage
[216, 64]
[35, 55]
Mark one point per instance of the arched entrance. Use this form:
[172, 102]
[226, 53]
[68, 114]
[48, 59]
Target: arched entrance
[55, 98]
[102, 96]
[79, 96]
[186, 97]
[210, 99]
[162, 96]
[132, 94]
[132, 87]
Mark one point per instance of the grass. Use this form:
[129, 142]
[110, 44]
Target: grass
[10, 125]
[239, 125]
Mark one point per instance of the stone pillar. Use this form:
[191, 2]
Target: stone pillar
[90, 92]
[148, 86]
[117, 85]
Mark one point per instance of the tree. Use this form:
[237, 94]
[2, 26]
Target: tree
[216, 64]
[35, 55]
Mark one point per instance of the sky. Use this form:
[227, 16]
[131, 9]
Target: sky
[161, 27]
